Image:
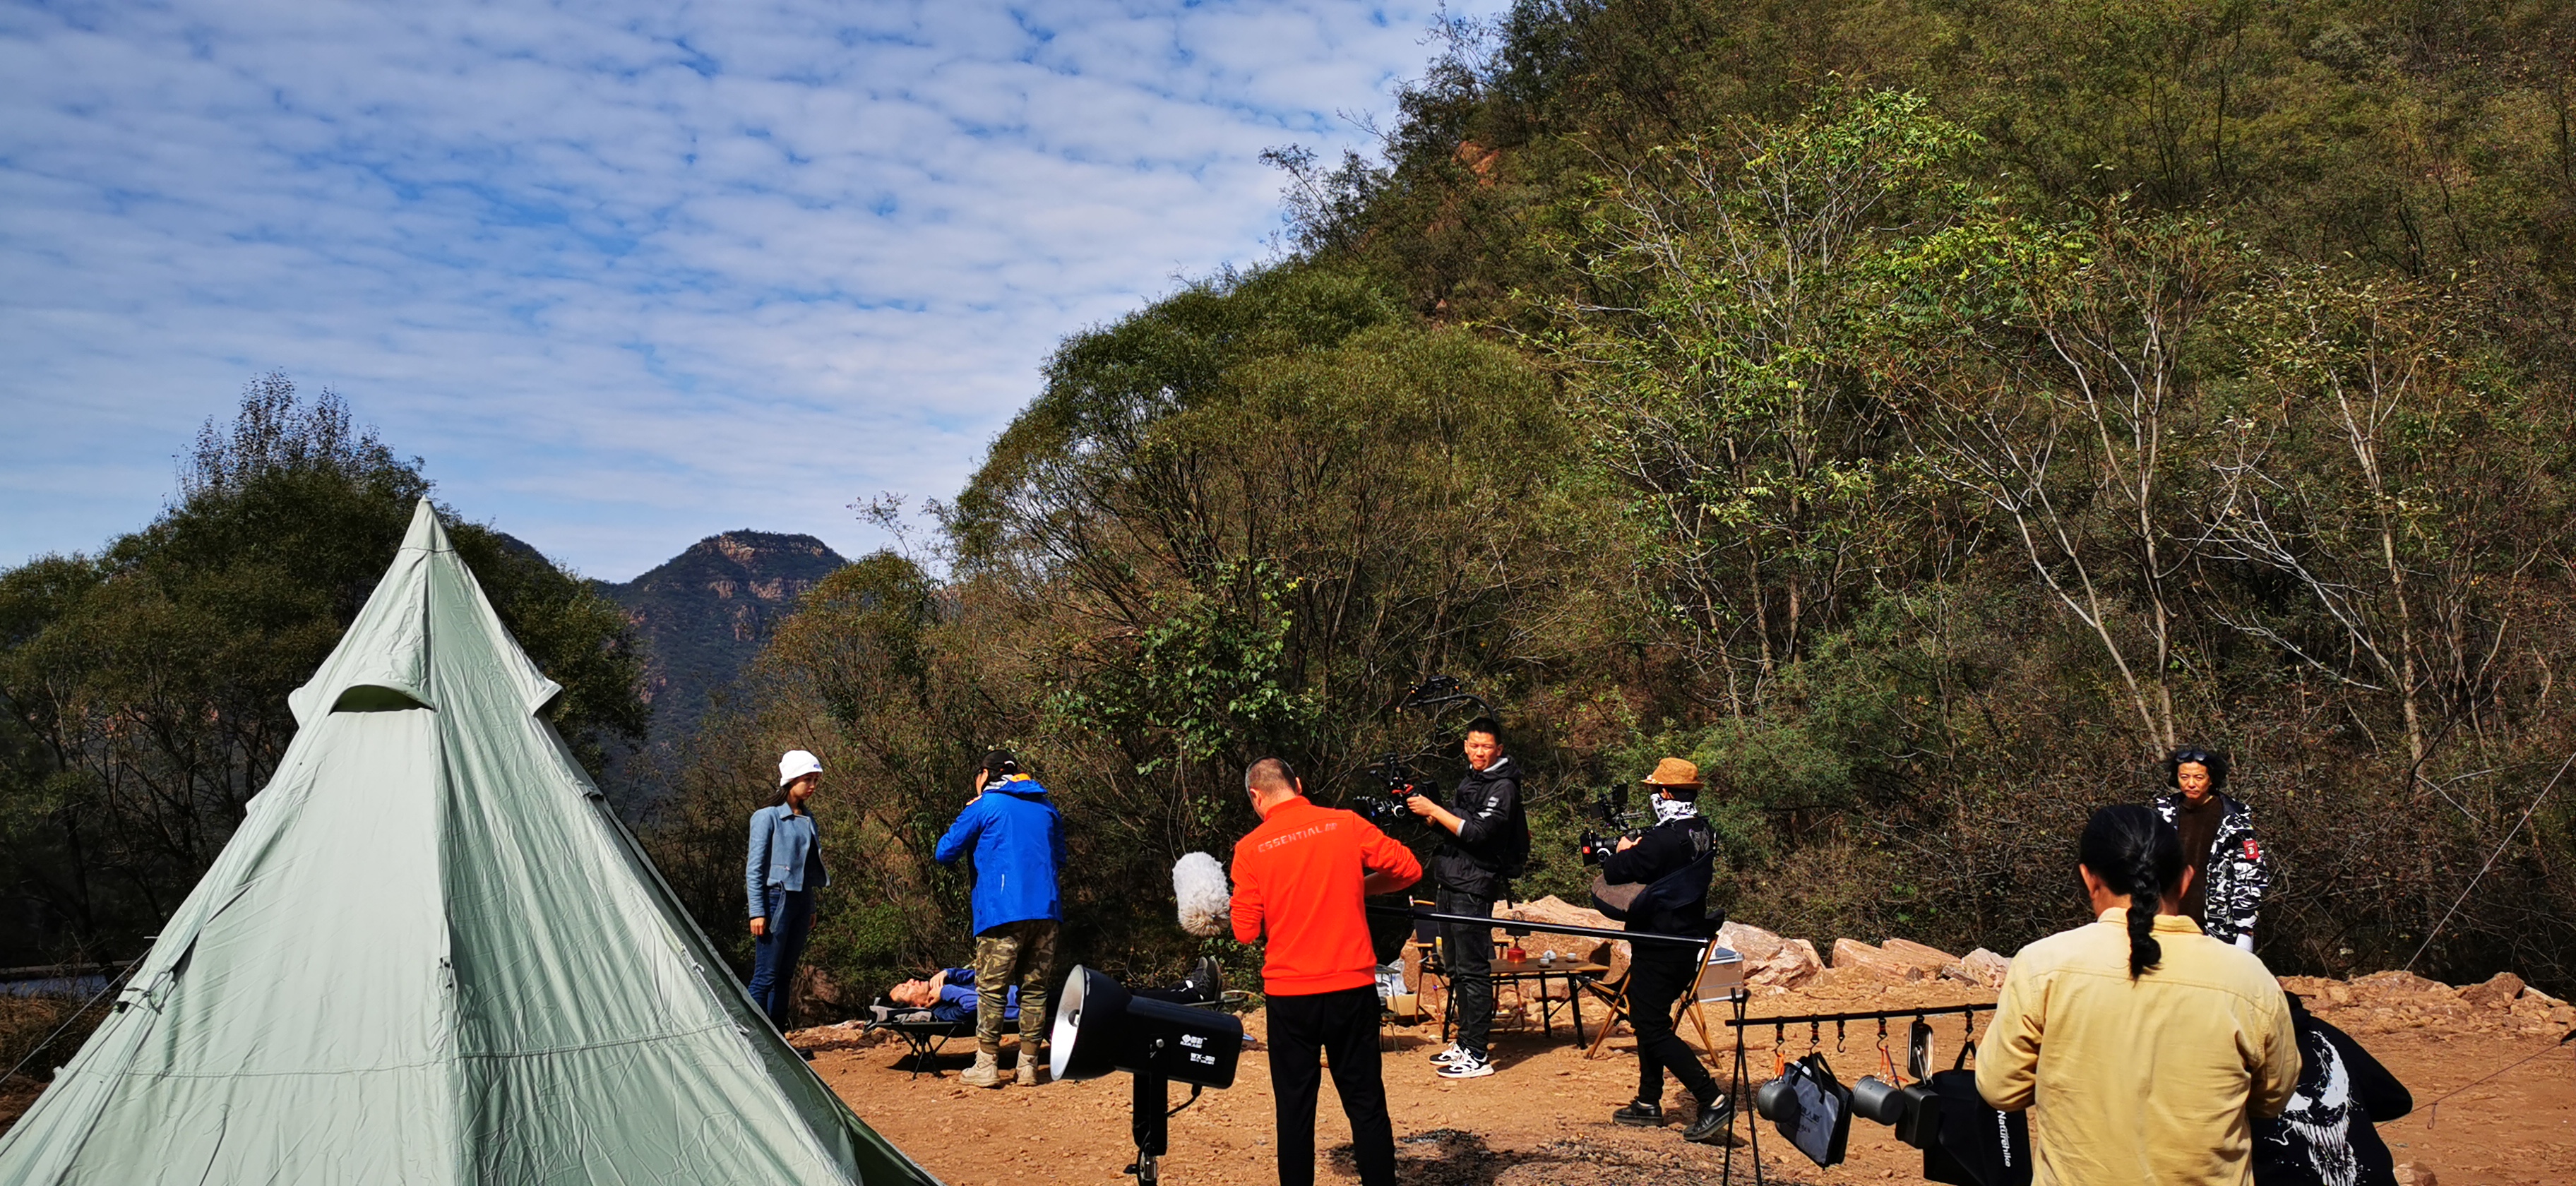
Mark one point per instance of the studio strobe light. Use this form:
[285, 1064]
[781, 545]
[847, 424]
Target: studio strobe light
[1100, 1027]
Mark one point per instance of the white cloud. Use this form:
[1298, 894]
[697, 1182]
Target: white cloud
[624, 277]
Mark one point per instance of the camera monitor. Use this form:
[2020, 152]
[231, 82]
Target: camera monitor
[1100, 1027]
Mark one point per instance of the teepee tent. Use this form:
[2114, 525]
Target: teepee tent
[430, 954]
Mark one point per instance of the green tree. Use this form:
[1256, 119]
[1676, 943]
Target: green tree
[143, 690]
[1719, 356]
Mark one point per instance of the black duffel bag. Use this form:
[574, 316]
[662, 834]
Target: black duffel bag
[1979, 1146]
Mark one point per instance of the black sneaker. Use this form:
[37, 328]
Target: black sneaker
[1710, 1128]
[1206, 982]
[1640, 1114]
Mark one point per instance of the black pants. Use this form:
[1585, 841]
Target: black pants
[1467, 951]
[1657, 977]
[1343, 1027]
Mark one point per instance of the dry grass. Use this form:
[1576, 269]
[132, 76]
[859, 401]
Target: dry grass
[25, 1022]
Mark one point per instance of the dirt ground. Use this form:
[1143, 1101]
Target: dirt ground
[1545, 1116]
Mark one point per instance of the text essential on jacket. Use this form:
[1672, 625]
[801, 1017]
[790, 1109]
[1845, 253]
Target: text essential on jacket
[784, 853]
[1018, 839]
[1300, 889]
[1492, 844]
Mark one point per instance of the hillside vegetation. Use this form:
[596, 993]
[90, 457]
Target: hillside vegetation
[1920, 414]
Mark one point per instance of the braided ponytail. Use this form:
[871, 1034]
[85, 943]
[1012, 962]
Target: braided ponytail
[2144, 951]
[2134, 852]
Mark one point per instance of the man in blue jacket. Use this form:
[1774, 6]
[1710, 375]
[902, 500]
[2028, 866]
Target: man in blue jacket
[1018, 841]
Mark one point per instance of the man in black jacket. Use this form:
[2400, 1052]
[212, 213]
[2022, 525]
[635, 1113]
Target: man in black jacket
[1674, 861]
[1471, 871]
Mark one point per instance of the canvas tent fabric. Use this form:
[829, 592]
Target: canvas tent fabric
[430, 954]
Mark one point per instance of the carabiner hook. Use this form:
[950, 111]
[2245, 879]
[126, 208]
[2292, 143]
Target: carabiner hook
[1838, 1035]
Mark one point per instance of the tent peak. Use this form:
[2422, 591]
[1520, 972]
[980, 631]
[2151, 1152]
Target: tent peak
[427, 534]
[425, 636]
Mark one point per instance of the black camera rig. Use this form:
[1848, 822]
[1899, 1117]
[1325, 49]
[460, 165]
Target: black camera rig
[1397, 775]
[1609, 809]
[1384, 804]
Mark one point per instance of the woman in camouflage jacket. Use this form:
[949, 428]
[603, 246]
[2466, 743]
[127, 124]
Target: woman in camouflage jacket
[2234, 870]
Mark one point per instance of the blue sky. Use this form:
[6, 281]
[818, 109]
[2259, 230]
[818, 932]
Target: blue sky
[623, 276]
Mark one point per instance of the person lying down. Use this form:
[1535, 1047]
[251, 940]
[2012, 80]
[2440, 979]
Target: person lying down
[949, 993]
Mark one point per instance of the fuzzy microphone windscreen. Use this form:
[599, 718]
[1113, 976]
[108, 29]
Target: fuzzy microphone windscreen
[1207, 903]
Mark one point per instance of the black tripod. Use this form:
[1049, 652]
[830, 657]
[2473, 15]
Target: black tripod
[1742, 1090]
[1152, 1123]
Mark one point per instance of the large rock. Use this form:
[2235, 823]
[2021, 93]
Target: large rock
[1981, 967]
[1807, 957]
[847, 1035]
[1769, 960]
[1930, 959]
[1855, 960]
[1552, 909]
[2497, 993]
[1557, 910]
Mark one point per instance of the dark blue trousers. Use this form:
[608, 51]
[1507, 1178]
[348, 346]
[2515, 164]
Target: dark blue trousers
[774, 955]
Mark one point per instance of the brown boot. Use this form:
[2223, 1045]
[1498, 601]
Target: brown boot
[1033, 1061]
[987, 1071]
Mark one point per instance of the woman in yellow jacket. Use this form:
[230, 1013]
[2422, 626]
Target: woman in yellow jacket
[2143, 1048]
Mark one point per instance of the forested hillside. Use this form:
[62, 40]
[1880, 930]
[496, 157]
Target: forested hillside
[1921, 414]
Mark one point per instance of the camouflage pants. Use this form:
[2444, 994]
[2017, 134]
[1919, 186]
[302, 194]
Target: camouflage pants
[1021, 953]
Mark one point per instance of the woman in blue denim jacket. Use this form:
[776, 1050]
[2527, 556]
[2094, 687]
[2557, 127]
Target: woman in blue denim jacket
[783, 872]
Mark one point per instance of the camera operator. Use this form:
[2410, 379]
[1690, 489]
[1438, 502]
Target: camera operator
[1673, 861]
[1301, 886]
[1471, 871]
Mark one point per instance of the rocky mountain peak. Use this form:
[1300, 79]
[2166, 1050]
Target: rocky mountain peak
[704, 614]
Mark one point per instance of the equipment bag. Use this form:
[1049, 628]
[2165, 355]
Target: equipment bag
[1979, 1146]
[1821, 1125]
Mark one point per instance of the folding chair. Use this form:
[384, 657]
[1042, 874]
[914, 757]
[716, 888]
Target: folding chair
[1721, 973]
[1721, 976]
[1614, 1003]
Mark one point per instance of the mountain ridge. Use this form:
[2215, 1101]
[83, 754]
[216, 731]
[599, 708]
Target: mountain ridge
[704, 614]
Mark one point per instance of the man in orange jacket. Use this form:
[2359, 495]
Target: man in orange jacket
[1301, 883]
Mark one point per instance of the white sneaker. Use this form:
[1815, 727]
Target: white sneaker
[1467, 1066]
[1452, 1054]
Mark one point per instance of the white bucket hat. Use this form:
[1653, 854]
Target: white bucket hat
[796, 764]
